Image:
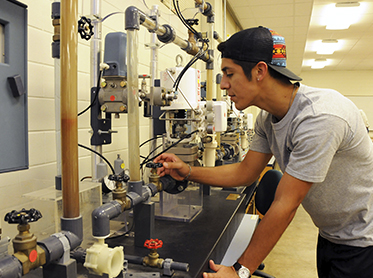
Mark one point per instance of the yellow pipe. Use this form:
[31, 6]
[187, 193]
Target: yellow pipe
[69, 109]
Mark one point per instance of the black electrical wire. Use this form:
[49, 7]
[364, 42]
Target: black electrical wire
[100, 155]
[151, 139]
[165, 150]
[146, 158]
[199, 38]
[96, 95]
[181, 17]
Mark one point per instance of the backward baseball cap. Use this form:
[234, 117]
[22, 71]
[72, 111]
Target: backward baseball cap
[258, 44]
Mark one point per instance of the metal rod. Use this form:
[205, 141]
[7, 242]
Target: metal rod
[96, 46]
[69, 109]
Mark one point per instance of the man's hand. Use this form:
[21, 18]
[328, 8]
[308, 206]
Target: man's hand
[221, 271]
[172, 165]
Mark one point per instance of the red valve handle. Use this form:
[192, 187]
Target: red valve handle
[153, 243]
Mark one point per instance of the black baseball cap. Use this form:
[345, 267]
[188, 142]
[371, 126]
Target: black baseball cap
[258, 44]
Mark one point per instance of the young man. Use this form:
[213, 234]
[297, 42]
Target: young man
[320, 142]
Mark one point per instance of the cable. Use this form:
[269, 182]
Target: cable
[100, 155]
[96, 95]
[151, 139]
[174, 144]
[145, 159]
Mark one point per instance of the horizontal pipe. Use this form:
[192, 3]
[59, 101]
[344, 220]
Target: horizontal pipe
[10, 267]
[161, 30]
[53, 246]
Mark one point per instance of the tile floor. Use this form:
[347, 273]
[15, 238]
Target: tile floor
[294, 255]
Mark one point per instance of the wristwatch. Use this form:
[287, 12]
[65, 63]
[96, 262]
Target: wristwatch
[242, 271]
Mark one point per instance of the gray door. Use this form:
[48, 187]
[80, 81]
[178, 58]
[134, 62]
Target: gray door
[13, 96]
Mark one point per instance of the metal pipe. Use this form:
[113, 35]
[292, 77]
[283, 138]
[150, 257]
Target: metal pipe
[169, 32]
[96, 46]
[69, 110]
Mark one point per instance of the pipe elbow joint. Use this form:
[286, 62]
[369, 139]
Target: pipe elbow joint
[132, 18]
[101, 218]
[208, 11]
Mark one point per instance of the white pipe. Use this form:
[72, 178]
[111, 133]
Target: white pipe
[96, 46]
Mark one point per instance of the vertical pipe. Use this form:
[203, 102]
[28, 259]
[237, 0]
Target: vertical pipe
[96, 46]
[69, 109]
[133, 105]
[153, 72]
[57, 106]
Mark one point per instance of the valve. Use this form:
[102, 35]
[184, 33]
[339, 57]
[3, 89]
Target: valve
[25, 246]
[153, 244]
[119, 178]
[153, 259]
[154, 178]
[153, 165]
[22, 217]
[85, 28]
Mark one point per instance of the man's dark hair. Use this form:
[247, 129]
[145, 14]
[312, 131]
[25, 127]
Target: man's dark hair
[248, 66]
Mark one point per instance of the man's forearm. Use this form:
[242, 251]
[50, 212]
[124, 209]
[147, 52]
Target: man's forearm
[265, 237]
[232, 175]
[221, 176]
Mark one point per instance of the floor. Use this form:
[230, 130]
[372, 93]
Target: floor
[294, 255]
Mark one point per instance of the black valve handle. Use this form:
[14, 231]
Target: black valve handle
[85, 28]
[153, 165]
[22, 217]
[119, 177]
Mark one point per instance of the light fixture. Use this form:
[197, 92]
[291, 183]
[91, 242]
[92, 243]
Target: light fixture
[327, 47]
[319, 63]
[342, 15]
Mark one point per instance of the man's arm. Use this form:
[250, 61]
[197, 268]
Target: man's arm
[290, 193]
[238, 174]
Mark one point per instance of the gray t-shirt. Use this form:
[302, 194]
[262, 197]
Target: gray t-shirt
[322, 139]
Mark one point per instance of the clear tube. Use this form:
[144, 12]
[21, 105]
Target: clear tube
[133, 105]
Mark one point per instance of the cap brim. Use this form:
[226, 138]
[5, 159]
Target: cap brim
[285, 72]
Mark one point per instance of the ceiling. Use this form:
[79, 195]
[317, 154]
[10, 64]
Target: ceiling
[299, 21]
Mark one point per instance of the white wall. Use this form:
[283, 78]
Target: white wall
[356, 85]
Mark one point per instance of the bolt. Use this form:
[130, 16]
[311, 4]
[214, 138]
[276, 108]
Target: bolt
[103, 107]
[122, 108]
[180, 188]
[103, 84]
[123, 84]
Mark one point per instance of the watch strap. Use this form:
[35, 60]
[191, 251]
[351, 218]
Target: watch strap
[237, 266]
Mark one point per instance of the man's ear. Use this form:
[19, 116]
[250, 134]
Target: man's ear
[261, 70]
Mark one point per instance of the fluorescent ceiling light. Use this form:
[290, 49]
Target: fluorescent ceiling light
[319, 64]
[327, 47]
[342, 15]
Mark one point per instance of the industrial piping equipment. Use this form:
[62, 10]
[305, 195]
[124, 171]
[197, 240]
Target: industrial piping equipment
[30, 254]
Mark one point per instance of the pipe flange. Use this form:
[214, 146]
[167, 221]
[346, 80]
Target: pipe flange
[66, 247]
[168, 36]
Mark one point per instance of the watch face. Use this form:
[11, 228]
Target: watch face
[243, 272]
